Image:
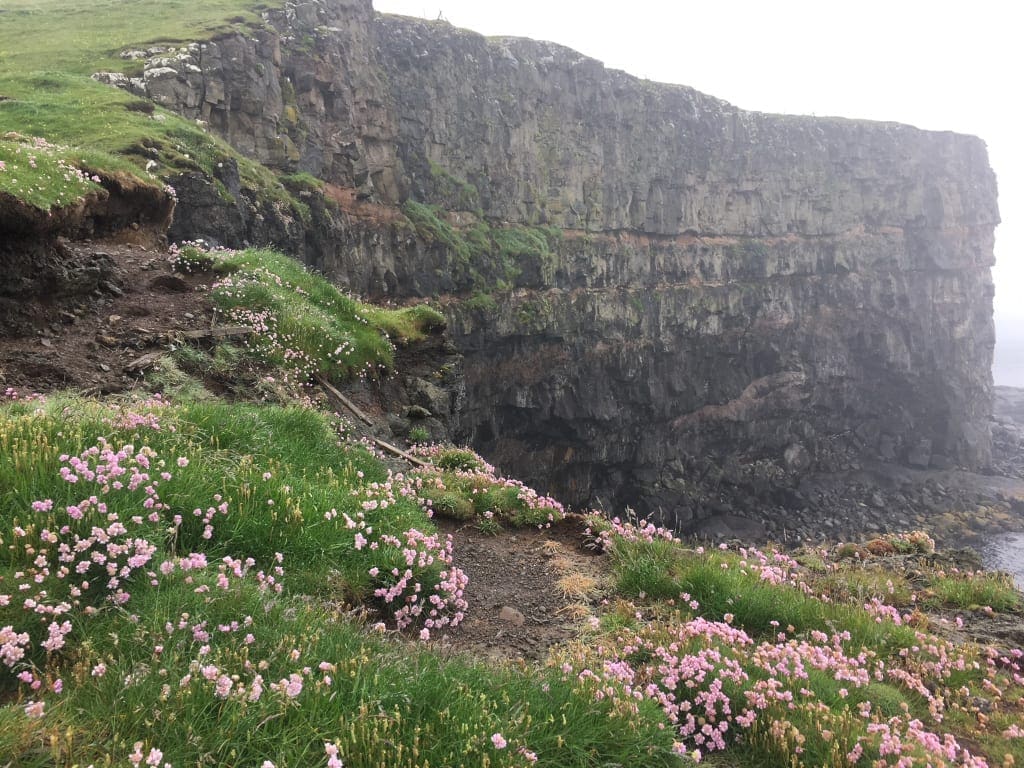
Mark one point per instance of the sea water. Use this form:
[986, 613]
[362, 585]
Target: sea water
[1006, 553]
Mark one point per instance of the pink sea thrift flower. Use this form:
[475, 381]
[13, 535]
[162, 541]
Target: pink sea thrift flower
[333, 761]
[498, 741]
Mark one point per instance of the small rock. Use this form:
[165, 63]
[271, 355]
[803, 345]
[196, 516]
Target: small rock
[796, 458]
[113, 319]
[189, 316]
[109, 287]
[921, 455]
[169, 284]
[46, 342]
[512, 616]
[418, 412]
[104, 367]
[887, 448]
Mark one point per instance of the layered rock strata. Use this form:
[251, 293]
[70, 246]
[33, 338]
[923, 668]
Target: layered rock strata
[711, 295]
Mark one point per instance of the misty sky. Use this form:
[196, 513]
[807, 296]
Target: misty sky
[937, 65]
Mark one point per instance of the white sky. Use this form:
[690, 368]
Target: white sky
[939, 65]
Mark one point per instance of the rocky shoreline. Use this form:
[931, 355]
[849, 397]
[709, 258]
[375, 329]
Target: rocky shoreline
[957, 508]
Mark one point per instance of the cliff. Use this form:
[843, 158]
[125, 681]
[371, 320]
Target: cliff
[667, 291]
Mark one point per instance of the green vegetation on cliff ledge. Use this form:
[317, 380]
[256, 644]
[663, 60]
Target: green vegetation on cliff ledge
[486, 258]
[304, 324]
[49, 49]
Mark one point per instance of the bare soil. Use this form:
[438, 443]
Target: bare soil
[84, 342]
[517, 608]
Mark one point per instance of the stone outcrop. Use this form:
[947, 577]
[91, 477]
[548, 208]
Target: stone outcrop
[719, 298]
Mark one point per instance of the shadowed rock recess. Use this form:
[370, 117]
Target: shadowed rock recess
[653, 290]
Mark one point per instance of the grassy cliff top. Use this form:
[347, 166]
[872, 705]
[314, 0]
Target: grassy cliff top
[49, 49]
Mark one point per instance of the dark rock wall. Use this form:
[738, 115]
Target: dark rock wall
[782, 292]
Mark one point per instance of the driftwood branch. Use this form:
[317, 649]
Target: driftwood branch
[149, 359]
[146, 361]
[333, 392]
[399, 452]
[224, 331]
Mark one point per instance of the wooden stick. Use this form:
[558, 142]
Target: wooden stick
[144, 362]
[221, 332]
[331, 390]
[399, 452]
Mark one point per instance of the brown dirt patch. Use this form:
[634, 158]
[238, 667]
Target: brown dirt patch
[348, 201]
[83, 342]
[516, 610]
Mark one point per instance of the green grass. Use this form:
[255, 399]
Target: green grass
[717, 580]
[48, 50]
[485, 258]
[382, 703]
[229, 447]
[306, 324]
[975, 591]
[83, 36]
[43, 176]
[788, 615]
[138, 674]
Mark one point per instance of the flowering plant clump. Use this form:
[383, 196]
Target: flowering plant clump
[12, 394]
[84, 554]
[413, 574]
[603, 531]
[195, 255]
[464, 485]
[305, 325]
[808, 694]
[41, 174]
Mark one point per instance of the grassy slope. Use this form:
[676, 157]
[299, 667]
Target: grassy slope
[48, 50]
[84, 36]
[254, 529]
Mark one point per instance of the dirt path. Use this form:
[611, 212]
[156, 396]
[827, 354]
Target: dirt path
[84, 342]
[528, 589]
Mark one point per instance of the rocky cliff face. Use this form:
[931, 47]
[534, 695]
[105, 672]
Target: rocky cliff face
[716, 296]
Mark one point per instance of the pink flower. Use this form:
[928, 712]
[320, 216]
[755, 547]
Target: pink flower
[293, 685]
[333, 761]
[182, 461]
[136, 756]
[498, 741]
